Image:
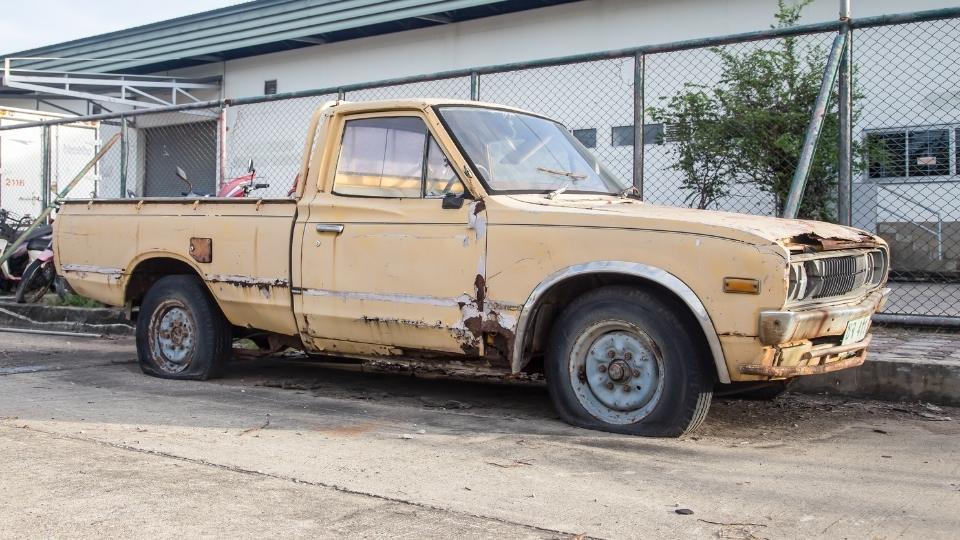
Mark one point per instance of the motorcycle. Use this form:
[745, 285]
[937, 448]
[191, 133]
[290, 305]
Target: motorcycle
[238, 187]
[41, 273]
[26, 258]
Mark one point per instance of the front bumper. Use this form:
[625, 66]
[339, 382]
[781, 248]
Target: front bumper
[778, 327]
[801, 343]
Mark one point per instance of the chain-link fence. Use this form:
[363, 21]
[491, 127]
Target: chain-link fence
[715, 124]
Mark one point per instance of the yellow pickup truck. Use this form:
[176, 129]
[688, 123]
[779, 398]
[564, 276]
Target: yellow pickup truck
[485, 236]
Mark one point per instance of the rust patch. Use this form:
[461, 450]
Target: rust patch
[811, 239]
[479, 207]
[480, 286]
[201, 249]
[405, 322]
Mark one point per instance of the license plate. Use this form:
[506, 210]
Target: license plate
[856, 330]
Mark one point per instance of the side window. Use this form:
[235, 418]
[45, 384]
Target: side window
[382, 157]
[441, 178]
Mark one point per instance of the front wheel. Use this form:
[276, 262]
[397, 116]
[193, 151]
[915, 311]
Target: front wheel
[181, 332]
[35, 282]
[625, 360]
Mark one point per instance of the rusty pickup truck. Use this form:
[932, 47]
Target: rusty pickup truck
[460, 233]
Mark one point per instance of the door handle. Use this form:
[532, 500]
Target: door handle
[326, 227]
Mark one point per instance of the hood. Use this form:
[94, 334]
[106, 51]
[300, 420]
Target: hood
[620, 212]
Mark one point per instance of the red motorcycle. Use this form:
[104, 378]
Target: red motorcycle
[241, 186]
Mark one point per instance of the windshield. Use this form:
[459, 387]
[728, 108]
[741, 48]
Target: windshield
[524, 153]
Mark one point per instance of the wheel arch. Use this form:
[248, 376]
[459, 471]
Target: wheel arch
[635, 272]
[148, 268]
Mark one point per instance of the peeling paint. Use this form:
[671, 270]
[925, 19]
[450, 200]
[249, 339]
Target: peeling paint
[89, 269]
[247, 281]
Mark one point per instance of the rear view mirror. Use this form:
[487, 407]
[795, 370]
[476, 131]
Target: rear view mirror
[250, 168]
[452, 201]
[181, 174]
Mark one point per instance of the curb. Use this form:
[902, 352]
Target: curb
[890, 380]
[104, 321]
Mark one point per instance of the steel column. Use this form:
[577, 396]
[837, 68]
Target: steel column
[474, 86]
[639, 70]
[814, 129]
[845, 150]
[123, 157]
[45, 169]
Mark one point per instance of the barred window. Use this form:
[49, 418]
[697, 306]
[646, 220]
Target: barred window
[652, 134]
[908, 153]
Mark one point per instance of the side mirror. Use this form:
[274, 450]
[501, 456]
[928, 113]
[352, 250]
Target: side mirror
[452, 201]
[181, 174]
[250, 166]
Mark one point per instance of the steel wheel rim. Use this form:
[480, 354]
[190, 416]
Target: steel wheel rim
[173, 336]
[616, 371]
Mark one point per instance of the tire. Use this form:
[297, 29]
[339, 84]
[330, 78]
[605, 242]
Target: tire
[762, 391]
[181, 332]
[62, 288]
[663, 388]
[35, 282]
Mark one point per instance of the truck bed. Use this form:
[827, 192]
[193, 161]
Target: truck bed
[109, 249]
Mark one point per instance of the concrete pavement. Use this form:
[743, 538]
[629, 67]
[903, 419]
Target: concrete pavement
[94, 448]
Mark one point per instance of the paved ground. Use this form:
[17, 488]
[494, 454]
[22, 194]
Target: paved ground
[93, 448]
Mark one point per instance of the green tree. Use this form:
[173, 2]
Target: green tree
[749, 127]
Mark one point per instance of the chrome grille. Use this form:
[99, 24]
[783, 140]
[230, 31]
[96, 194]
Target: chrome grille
[835, 275]
[839, 276]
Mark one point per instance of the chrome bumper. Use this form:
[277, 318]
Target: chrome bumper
[815, 361]
[778, 327]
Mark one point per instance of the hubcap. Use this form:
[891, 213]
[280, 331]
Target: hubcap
[174, 334]
[616, 371]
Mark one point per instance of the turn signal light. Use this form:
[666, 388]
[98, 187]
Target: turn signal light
[741, 285]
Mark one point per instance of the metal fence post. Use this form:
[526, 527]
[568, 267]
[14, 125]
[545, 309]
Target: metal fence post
[639, 65]
[845, 95]
[475, 86]
[45, 169]
[123, 157]
[799, 183]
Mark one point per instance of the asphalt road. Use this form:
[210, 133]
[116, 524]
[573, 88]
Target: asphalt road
[93, 448]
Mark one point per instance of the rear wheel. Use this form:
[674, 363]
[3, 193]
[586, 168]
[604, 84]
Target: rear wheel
[35, 282]
[624, 360]
[181, 332]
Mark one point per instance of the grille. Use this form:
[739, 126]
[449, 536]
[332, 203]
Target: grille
[836, 275]
[839, 275]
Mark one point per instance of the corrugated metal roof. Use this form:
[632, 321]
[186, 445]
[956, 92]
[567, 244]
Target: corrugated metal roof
[256, 27]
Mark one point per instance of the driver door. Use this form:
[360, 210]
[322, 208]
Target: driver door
[388, 265]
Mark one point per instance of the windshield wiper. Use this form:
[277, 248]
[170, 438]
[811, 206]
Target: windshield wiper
[553, 194]
[558, 172]
[630, 192]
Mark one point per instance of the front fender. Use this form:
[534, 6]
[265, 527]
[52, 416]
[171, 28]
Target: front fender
[643, 271]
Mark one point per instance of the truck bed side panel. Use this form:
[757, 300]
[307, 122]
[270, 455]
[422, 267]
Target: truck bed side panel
[100, 244]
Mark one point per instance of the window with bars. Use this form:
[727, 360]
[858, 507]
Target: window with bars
[911, 152]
